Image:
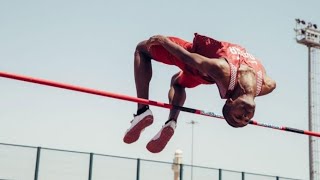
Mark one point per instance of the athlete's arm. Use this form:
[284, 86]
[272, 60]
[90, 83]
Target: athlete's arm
[268, 86]
[202, 63]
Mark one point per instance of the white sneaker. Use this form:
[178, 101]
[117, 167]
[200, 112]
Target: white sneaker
[138, 124]
[159, 141]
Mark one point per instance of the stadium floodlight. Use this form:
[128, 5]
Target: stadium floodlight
[307, 34]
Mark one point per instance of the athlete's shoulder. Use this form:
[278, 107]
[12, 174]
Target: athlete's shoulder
[204, 38]
[206, 46]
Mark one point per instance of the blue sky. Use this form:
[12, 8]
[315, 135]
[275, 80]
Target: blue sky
[91, 44]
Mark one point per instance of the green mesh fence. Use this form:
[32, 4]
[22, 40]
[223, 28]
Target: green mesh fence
[19, 162]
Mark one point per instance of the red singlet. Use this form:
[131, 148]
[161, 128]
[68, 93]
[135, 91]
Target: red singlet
[190, 77]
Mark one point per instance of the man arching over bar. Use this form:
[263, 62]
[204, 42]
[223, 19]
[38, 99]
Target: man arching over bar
[239, 75]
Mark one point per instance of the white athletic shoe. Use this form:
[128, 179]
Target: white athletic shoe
[138, 124]
[159, 141]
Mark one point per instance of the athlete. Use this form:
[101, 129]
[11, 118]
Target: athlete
[239, 76]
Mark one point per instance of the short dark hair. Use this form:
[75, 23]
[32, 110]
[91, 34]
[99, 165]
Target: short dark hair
[226, 114]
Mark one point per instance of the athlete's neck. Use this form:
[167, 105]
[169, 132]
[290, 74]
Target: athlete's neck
[246, 85]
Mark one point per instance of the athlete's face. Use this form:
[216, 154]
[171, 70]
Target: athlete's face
[241, 112]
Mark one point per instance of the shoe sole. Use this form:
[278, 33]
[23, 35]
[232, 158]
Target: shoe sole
[156, 146]
[134, 133]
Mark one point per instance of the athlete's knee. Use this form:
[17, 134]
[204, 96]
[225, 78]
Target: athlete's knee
[175, 81]
[142, 47]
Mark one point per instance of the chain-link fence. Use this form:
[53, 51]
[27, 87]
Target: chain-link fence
[19, 162]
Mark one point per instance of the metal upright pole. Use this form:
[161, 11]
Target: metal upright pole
[181, 171]
[138, 169]
[90, 166]
[311, 168]
[36, 173]
[192, 152]
[192, 122]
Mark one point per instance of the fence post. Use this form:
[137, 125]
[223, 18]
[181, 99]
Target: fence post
[242, 174]
[277, 178]
[181, 171]
[90, 166]
[220, 174]
[138, 169]
[37, 163]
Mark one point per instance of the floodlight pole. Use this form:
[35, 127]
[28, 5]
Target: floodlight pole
[310, 126]
[308, 35]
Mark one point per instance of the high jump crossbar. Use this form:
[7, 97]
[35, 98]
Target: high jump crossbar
[144, 101]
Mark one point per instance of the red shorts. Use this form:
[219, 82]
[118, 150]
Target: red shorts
[188, 77]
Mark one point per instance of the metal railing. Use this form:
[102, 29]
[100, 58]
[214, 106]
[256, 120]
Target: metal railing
[19, 162]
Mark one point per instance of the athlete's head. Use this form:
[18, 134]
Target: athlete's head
[239, 111]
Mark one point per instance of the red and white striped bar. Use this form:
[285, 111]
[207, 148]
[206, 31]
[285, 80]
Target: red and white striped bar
[143, 101]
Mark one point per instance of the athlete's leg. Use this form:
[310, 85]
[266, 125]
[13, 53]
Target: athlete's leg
[143, 68]
[142, 71]
[176, 95]
[143, 75]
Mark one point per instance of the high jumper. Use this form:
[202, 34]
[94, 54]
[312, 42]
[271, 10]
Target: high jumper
[239, 75]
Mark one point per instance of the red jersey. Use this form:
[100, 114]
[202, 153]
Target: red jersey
[234, 54]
